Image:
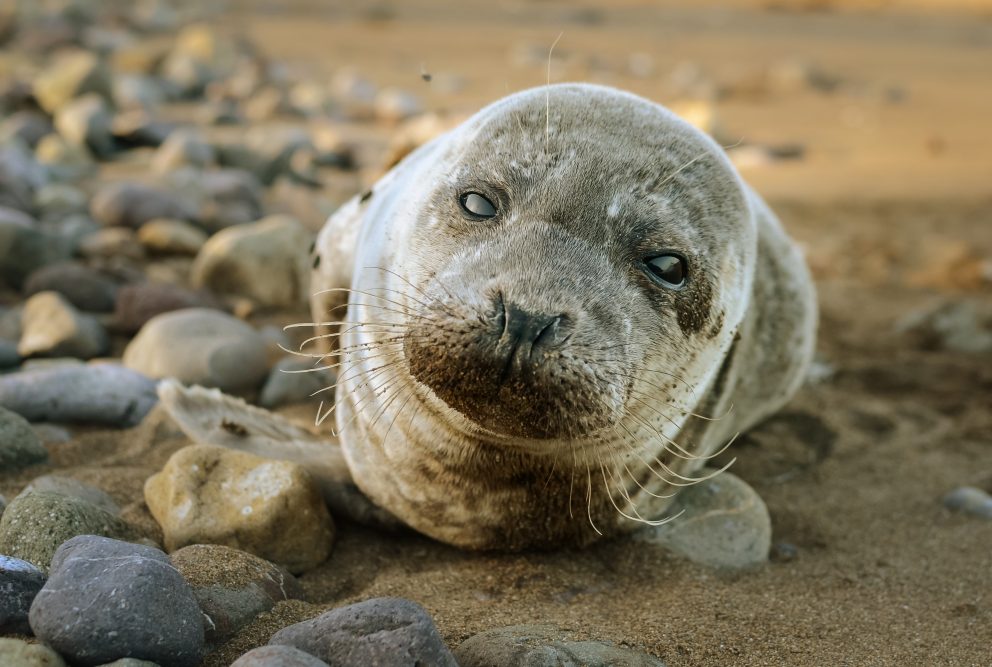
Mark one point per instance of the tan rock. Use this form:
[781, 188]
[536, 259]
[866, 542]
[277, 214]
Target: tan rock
[171, 237]
[212, 495]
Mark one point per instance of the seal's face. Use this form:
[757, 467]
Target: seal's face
[581, 246]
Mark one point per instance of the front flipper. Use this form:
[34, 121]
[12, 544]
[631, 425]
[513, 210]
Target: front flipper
[724, 524]
[208, 416]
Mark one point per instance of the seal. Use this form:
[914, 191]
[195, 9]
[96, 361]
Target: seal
[545, 323]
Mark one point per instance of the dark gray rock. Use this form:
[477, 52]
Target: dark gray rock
[544, 646]
[19, 445]
[73, 488]
[388, 632]
[139, 129]
[83, 287]
[278, 656]
[23, 250]
[20, 175]
[295, 380]
[106, 600]
[35, 524]
[232, 586]
[970, 500]
[9, 357]
[229, 197]
[20, 582]
[133, 204]
[87, 122]
[88, 393]
[138, 303]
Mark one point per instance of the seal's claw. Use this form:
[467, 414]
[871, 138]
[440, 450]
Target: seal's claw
[725, 524]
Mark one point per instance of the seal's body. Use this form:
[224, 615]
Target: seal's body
[548, 320]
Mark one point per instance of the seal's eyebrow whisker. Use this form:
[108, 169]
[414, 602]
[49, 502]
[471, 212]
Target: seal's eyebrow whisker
[547, 96]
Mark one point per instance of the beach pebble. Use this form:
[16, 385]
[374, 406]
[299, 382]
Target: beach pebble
[73, 488]
[232, 586]
[171, 237]
[136, 91]
[13, 216]
[545, 646]
[228, 197]
[725, 524]
[200, 346]
[17, 653]
[65, 161]
[71, 75]
[20, 581]
[52, 327]
[182, 148]
[970, 500]
[267, 261]
[86, 393]
[56, 201]
[278, 656]
[138, 129]
[395, 104]
[113, 244]
[9, 358]
[273, 509]
[287, 383]
[86, 122]
[140, 302]
[28, 126]
[388, 632]
[106, 600]
[19, 444]
[80, 285]
[36, 523]
[24, 250]
[133, 204]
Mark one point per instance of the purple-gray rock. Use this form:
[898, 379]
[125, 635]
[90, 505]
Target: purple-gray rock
[138, 303]
[20, 582]
[278, 656]
[88, 393]
[82, 286]
[388, 632]
[545, 646]
[133, 204]
[106, 600]
[19, 444]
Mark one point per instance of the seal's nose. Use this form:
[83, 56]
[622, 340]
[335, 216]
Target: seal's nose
[524, 333]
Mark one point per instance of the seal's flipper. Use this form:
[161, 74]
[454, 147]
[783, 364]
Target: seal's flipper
[211, 417]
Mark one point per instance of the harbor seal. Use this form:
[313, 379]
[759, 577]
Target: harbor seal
[545, 322]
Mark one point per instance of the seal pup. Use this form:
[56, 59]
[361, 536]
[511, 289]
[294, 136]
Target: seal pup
[545, 322]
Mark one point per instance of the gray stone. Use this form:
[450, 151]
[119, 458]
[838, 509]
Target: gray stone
[107, 600]
[23, 250]
[65, 161]
[960, 326]
[58, 200]
[73, 488]
[36, 523]
[20, 581]
[278, 656]
[133, 204]
[28, 126]
[87, 122]
[21, 175]
[80, 285]
[18, 653]
[171, 237]
[296, 380]
[135, 91]
[232, 586]
[52, 327]
[388, 632]
[69, 76]
[137, 129]
[112, 244]
[88, 393]
[545, 646]
[9, 358]
[200, 346]
[229, 197]
[19, 445]
[182, 148]
[13, 216]
[139, 303]
[970, 500]
[724, 524]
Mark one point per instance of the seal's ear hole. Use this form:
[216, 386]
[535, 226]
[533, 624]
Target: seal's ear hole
[668, 270]
[477, 206]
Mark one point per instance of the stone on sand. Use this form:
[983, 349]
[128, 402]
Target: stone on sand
[133, 204]
[73, 488]
[20, 582]
[52, 327]
[213, 495]
[24, 249]
[140, 302]
[970, 500]
[18, 653]
[80, 285]
[166, 236]
[278, 656]
[19, 444]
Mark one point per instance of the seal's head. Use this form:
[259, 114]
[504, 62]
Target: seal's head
[584, 242]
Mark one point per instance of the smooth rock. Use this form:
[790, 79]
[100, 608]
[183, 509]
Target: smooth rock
[66, 161]
[199, 346]
[36, 523]
[171, 237]
[133, 204]
[69, 76]
[229, 197]
[80, 285]
[9, 357]
[112, 244]
[182, 148]
[394, 105]
[20, 582]
[19, 444]
[28, 126]
[51, 326]
[139, 129]
[58, 200]
[23, 250]
[17, 653]
[20, 174]
[296, 380]
[135, 91]
[970, 500]
[273, 509]
[73, 488]
[267, 261]
[88, 393]
[387, 632]
[278, 656]
[87, 122]
[545, 646]
[232, 586]
[725, 524]
[12, 216]
[106, 600]
[140, 302]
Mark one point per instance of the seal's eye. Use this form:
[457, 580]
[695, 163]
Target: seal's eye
[666, 270]
[477, 206]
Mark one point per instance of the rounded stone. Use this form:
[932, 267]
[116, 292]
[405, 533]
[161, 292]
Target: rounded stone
[388, 632]
[139, 303]
[52, 327]
[232, 586]
[19, 445]
[106, 600]
[20, 582]
[278, 656]
[183, 148]
[9, 357]
[133, 204]
[73, 488]
[273, 509]
[545, 646]
[80, 285]
[69, 76]
[200, 346]
[970, 500]
[28, 126]
[18, 653]
[172, 237]
[87, 122]
[296, 380]
[24, 249]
